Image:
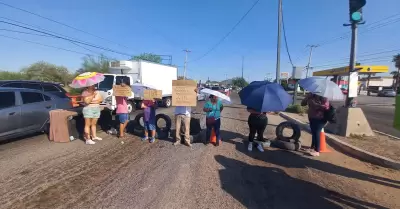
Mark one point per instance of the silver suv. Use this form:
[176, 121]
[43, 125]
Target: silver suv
[26, 111]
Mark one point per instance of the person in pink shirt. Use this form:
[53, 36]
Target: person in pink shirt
[122, 111]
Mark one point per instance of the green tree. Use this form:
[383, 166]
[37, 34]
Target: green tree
[239, 82]
[148, 57]
[6, 75]
[395, 74]
[44, 71]
[93, 64]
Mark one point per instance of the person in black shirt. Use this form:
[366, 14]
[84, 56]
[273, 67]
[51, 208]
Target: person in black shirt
[257, 124]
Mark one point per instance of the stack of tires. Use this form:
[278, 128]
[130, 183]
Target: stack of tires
[162, 132]
[289, 143]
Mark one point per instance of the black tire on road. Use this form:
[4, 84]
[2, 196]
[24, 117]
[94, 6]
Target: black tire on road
[286, 145]
[296, 131]
[139, 126]
[168, 123]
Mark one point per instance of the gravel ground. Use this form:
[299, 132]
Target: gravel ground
[378, 144]
[40, 174]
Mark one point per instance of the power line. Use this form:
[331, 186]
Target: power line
[226, 35]
[68, 39]
[35, 34]
[375, 59]
[50, 46]
[365, 55]
[22, 32]
[60, 23]
[286, 43]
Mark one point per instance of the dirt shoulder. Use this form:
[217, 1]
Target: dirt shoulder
[378, 144]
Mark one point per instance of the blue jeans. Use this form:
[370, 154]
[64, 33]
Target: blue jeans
[123, 117]
[216, 126]
[316, 126]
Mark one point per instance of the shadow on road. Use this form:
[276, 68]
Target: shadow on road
[267, 187]
[292, 160]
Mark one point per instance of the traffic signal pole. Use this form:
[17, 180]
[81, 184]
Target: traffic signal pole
[352, 63]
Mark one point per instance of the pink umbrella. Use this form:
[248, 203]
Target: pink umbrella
[87, 79]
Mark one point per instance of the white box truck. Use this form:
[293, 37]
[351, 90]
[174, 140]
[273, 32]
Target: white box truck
[147, 73]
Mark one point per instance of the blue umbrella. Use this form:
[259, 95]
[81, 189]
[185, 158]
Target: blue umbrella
[265, 96]
[322, 87]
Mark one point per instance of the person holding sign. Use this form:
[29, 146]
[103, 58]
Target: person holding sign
[91, 113]
[213, 109]
[182, 114]
[122, 109]
[149, 120]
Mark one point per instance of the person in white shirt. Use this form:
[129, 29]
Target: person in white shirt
[182, 115]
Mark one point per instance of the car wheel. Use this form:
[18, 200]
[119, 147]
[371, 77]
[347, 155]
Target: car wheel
[167, 102]
[131, 106]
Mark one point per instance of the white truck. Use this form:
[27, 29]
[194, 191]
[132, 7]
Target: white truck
[147, 73]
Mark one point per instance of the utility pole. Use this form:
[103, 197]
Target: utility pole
[309, 58]
[184, 69]
[242, 65]
[352, 60]
[278, 47]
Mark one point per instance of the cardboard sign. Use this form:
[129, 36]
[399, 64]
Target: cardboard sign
[149, 94]
[120, 91]
[183, 93]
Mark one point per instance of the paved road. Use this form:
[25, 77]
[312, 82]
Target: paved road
[39, 174]
[379, 112]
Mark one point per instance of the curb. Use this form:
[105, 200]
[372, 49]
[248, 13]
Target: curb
[349, 149]
[385, 134]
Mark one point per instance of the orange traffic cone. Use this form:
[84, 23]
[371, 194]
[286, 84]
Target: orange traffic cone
[322, 142]
[213, 137]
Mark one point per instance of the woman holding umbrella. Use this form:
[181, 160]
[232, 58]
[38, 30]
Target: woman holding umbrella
[261, 97]
[317, 105]
[323, 91]
[213, 109]
[92, 100]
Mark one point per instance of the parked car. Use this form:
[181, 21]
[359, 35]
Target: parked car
[387, 93]
[219, 88]
[53, 88]
[26, 111]
[201, 96]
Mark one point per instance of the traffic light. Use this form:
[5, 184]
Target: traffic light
[356, 10]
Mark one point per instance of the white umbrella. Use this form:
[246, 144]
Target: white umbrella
[218, 94]
[322, 87]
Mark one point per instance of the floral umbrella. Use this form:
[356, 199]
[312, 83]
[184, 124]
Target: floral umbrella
[87, 79]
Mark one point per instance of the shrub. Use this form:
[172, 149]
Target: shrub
[297, 109]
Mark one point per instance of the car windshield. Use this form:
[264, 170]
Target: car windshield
[107, 83]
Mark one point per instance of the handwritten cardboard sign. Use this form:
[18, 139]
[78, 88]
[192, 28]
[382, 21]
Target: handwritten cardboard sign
[183, 93]
[149, 94]
[120, 91]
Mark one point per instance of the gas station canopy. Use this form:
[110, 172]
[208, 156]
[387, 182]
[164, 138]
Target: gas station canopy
[344, 71]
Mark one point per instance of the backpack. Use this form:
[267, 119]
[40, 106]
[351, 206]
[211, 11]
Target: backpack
[330, 114]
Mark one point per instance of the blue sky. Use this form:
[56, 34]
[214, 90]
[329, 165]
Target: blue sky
[167, 27]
